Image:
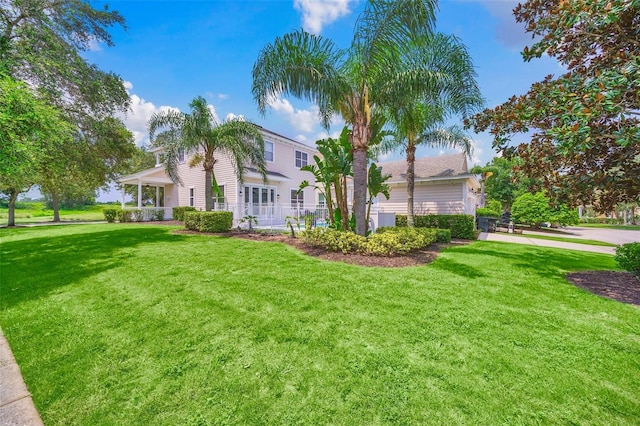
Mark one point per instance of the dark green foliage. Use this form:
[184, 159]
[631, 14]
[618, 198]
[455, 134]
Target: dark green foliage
[208, 221]
[110, 214]
[138, 215]
[334, 240]
[124, 216]
[461, 225]
[486, 212]
[443, 236]
[628, 257]
[178, 212]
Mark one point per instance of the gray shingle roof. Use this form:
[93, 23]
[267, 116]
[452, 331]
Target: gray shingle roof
[428, 168]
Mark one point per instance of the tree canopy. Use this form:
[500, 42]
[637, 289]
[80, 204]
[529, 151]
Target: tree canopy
[371, 73]
[585, 145]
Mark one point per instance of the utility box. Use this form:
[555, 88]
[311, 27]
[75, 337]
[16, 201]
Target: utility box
[382, 219]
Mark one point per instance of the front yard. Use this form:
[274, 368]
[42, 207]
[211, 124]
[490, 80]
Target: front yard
[130, 324]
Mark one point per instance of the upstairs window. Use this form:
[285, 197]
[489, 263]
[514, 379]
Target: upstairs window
[192, 197]
[297, 199]
[302, 159]
[180, 155]
[268, 151]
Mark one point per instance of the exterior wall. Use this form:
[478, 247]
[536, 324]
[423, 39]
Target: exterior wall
[445, 197]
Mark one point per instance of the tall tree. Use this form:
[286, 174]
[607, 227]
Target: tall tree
[31, 132]
[352, 82]
[199, 132]
[90, 161]
[419, 120]
[41, 42]
[585, 145]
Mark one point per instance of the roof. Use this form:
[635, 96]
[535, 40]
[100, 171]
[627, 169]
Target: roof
[452, 166]
[274, 176]
[146, 177]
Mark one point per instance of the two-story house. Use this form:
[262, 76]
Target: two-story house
[270, 202]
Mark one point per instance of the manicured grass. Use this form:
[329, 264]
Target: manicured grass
[37, 214]
[565, 239]
[619, 227]
[131, 325]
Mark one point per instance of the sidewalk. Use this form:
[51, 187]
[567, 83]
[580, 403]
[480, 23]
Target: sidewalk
[16, 405]
[522, 239]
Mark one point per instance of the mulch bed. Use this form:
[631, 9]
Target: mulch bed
[620, 286]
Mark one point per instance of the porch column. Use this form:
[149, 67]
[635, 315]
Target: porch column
[122, 197]
[157, 196]
[139, 194]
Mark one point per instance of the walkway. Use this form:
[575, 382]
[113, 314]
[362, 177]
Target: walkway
[522, 239]
[16, 405]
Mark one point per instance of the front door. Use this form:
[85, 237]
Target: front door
[260, 201]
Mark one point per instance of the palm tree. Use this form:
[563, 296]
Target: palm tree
[417, 120]
[352, 82]
[199, 131]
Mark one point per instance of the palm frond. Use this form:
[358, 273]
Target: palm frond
[303, 65]
[452, 137]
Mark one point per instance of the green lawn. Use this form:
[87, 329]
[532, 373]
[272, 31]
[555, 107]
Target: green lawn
[131, 325]
[607, 226]
[566, 239]
[35, 213]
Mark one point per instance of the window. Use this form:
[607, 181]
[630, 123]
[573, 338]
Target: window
[192, 197]
[268, 151]
[297, 199]
[302, 159]
[180, 155]
[321, 200]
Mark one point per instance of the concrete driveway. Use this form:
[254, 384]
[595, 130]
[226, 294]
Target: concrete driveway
[613, 236]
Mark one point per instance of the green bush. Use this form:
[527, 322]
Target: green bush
[487, 212]
[531, 209]
[443, 236]
[110, 215]
[178, 212]
[138, 215]
[385, 242]
[124, 216]
[157, 214]
[461, 225]
[219, 221]
[191, 220]
[628, 257]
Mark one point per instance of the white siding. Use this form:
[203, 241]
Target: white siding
[428, 198]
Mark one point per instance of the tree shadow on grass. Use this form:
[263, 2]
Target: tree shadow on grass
[546, 262]
[457, 268]
[32, 268]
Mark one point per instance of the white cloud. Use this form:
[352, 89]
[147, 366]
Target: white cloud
[477, 152]
[221, 96]
[212, 109]
[301, 138]
[325, 135]
[128, 85]
[138, 116]
[317, 13]
[303, 120]
[232, 116]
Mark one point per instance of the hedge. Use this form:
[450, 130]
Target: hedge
[178, 212]
[110, 215]
[219, 221]
[461, 225]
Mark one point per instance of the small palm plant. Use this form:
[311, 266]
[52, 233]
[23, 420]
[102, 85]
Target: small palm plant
[251, 220]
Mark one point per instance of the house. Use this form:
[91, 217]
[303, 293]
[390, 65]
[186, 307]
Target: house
[269, 202]
[443, 185]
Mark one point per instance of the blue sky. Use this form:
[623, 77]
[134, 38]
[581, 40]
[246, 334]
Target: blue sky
[173, 51]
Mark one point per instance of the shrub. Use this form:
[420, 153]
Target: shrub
[158, 214]
[461, 225]
[191, 220]
[219, 221]
[124, 216]
[530, 209]
[443, 236]
[138, 215]
[178, 212]
[110, 215]
[487, 212]
[334, 240]
[628, 257]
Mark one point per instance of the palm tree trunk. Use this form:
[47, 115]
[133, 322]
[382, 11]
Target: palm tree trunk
[360, 142]
[411, 160]
[55, 204]
[13, 196]
[208, 191]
